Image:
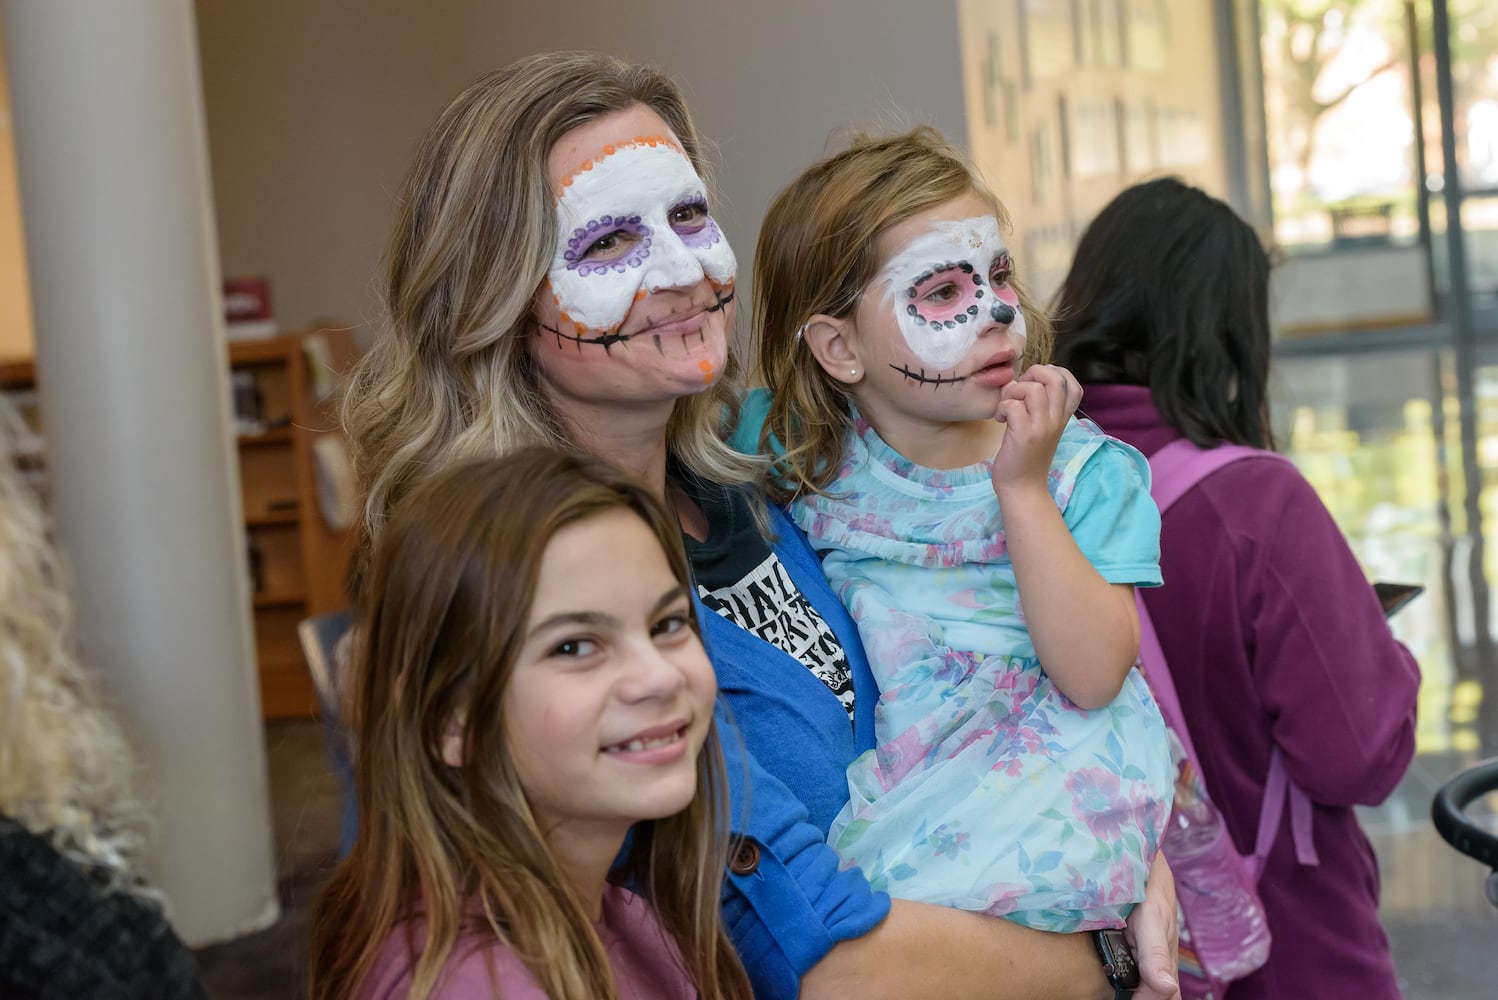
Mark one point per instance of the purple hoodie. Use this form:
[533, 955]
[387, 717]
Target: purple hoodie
[1273, 636]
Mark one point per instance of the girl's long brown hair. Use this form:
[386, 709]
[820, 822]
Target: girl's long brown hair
[818, 250]
[442, 619]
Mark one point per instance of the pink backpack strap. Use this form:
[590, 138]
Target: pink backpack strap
[1162, 686]
[1276, 787]
[1180, 465]
[1174, 470]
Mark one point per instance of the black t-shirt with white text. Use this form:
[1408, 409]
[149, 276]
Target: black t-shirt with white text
[739, 576]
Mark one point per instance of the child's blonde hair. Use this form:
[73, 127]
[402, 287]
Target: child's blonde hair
[818, 251]
[442, 619]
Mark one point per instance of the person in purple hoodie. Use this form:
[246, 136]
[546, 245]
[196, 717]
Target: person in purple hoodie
[1272, 632]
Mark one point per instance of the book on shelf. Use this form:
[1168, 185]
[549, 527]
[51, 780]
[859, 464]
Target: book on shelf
[247, 310]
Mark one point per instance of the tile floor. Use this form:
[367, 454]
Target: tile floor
[1444, 931]
[1445, 934]
[305, 810]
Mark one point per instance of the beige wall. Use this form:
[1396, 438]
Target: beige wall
[16, 336]
[1072, 102]
[313, 109]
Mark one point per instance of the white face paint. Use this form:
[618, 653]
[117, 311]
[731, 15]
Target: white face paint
[631, 222]
[948, 284]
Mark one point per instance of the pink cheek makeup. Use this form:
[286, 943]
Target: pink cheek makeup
[965, 301]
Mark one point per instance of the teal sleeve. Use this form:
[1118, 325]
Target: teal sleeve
[1112, 517]
[753, 409]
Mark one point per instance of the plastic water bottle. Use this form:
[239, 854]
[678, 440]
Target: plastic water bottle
[1213, 884]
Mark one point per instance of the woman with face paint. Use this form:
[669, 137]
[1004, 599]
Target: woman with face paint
[1275, 641]
[555, 276]
[986, 542]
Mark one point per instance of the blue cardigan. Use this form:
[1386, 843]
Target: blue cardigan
[787, 747]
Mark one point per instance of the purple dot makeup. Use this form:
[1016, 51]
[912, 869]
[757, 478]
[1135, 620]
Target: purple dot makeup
[584, 238]
[632, 220]
[692, 223]
[708, 235]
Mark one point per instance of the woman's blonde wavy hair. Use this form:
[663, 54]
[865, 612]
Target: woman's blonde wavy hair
[449, 602]
[818, 250]
[65, 768]
[451, 375]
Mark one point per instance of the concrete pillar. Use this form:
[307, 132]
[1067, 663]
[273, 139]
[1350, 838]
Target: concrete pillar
[132, 366]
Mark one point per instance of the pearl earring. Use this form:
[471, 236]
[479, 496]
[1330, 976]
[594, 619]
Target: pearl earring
[852, 372]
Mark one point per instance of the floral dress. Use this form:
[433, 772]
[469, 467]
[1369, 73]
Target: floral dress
[988, 790]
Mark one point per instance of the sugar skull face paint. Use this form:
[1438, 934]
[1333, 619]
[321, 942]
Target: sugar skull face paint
[632, 221]
[946, 285]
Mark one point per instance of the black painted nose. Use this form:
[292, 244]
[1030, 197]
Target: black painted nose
[1002, 312]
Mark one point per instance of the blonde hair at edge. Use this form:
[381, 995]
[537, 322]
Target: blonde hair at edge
[818, 250]
[64, 766]
[452, 376]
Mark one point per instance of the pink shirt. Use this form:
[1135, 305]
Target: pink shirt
[647, 966]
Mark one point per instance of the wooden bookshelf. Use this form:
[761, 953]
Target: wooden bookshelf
[297, 560]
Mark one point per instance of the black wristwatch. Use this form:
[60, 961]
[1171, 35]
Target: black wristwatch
[1118, 962]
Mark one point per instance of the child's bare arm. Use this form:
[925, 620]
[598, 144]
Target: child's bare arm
[1085, 629]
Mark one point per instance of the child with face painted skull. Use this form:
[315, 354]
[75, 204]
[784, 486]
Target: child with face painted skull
[986, 541]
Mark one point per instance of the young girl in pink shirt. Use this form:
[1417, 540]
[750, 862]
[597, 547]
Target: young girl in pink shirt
[529, 694]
